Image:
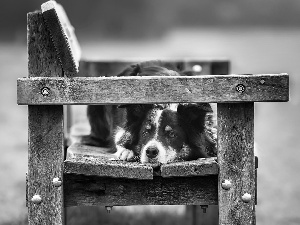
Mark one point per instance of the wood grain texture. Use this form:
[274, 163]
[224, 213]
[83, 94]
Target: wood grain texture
[80, 150]
[45, 154]
[108, 168]
[236, 161]
[124, 90]
[42, 58]
[92, 190]
[45, 160]
[63, 37]
[200, 167]
[87, 160]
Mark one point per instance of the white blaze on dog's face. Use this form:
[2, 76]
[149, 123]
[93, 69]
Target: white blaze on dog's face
[161, 138]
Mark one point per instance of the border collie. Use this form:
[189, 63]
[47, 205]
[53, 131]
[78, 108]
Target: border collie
[154, 133]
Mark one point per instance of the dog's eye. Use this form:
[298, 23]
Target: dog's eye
[148, 127]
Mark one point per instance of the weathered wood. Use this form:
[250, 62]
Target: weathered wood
[236, 161]
[45, 154]
[123, 90]
[80, 150]
[200, 167]
[63, 37]
[45, 160]
[87, 160]
[106, 168]
[92, 190]
[42, 58]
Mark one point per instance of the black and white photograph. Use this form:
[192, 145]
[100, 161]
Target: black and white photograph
[144, 112]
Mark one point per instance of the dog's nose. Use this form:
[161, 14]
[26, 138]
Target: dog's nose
[152, 152]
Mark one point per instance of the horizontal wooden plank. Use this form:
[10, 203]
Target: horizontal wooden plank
[124, 90]
[81, 160]
[92, 190]
[80, 150]
[200, 167]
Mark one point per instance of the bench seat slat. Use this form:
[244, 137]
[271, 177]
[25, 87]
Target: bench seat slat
[89, 160]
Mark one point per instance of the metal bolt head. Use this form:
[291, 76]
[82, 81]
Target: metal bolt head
[246, 198]
[226, 184]
[45, 91]
[240, 88]
[108, 208]
[36, 199]
[56, 182]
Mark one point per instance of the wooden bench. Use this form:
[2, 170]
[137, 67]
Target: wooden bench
[88, 176]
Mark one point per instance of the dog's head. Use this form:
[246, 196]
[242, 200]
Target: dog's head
[168, 133]
[162, 133]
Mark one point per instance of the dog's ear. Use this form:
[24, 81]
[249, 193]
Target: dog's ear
[192, 120]
[194, 113]
[136, 111]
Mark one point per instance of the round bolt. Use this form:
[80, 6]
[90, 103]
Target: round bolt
[226, 184]
[246, 198]
[56, 182]
[197, 68]
[108, 208]
[240, 88]
[262, 81]
[36, 199]
[45, 91]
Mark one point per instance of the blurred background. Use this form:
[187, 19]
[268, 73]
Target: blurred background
[256, 36]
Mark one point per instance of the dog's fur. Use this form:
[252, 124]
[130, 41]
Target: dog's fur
[159, 133]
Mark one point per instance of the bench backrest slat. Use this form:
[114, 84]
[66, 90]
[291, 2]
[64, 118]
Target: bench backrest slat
[122, 90]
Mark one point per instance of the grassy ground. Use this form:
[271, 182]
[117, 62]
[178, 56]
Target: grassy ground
[277, 125]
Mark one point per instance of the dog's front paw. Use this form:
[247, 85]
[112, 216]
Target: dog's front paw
[124, 154]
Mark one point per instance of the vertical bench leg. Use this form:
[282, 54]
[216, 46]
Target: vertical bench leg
[44, 190]
[45, 197]
[237, 166]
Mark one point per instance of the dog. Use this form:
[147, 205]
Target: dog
[153, 133]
